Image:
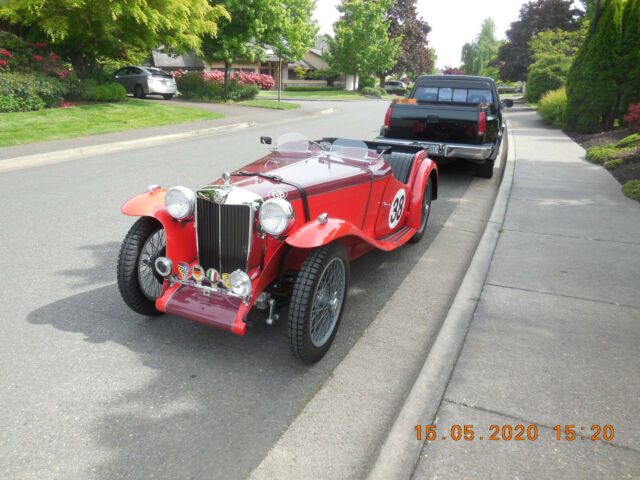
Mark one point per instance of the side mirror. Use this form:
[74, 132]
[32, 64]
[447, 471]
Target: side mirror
[265, 140]
[507, 102]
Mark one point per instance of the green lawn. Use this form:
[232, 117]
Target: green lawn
[93, 119]
[328, 94]
[269, 104]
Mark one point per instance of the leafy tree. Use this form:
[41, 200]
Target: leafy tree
[294, 31]
[556, 42]
[238, 36]
[415, 57]
[85, 32]
[536, 16]
[548, 73]
[593, 97]
[553, 53]
[477, 55]
[362, 44]
[629, 67]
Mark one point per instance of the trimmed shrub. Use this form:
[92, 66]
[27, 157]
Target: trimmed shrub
[371, 91]
[382, 91]
[632, 189]
[109, 92]
[210, 87]
[366, 82]
[630, 141]
[553, 107]
[548, 73]
[601, 153]
[22, 92]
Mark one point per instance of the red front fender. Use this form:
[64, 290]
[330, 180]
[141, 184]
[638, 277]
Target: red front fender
[181, 236]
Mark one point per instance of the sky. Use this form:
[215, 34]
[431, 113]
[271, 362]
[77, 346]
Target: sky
[453, 22]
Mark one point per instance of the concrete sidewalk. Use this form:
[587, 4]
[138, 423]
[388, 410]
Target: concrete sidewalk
[556, 333]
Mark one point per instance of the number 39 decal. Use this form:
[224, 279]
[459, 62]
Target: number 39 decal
[397, 207]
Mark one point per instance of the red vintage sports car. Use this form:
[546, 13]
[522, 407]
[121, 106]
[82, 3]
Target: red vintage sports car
[279, 231]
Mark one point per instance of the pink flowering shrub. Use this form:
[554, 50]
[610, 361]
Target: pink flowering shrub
[31, 76]
[260, 80]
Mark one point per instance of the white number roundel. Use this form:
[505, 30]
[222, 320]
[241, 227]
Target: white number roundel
[397, 207]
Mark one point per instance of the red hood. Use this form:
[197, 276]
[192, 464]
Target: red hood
[315, 173]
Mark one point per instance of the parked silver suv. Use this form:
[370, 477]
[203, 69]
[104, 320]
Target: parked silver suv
[143, 81]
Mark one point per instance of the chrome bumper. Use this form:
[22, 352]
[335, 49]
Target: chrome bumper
[475, 153]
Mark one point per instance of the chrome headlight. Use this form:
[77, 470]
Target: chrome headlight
[276, 216]
[180, 202]
[240, 283]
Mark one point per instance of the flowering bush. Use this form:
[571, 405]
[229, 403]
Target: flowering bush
[260, 80]
[633, 119]
[210, 85]
[21, 92]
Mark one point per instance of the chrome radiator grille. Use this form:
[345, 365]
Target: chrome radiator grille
[224, 235]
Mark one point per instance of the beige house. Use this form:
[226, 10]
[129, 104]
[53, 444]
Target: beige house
[271, 64]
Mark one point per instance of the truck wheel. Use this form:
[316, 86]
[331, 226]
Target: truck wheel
[485, 170]
[424, 216]
[139, 283]
[317, 302]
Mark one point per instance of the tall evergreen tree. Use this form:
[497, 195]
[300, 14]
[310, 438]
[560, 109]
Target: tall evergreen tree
[536, 16]
[415, 57]
[629, 68]
[593, 96]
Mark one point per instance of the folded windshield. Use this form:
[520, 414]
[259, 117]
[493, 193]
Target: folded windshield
[341, 148]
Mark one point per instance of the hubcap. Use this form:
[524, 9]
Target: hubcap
[149, 279]
[327, 302]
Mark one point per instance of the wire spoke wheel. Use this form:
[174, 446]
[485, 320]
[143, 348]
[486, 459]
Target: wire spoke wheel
[148, 278]
[317, 302]
[139, 283]
[327, 302]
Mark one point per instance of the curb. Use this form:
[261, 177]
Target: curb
[400, 451]
[59, 156]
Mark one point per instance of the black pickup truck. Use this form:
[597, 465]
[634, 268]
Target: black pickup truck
[452, 117]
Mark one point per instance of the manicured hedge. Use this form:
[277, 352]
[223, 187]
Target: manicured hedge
[553, 107]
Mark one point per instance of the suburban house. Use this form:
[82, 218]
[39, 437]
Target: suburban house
[271, 64]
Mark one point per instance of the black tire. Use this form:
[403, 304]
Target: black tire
[139, 92]
[485, 170]
[424, 215]
[168, 96]
[128, 266]
[322, 263]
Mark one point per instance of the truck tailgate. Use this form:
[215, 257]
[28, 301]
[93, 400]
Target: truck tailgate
[439, 123]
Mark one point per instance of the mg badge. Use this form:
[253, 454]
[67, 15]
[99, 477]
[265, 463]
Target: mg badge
[183, 271]
[212, 275]
[221, 195]
[197, 272]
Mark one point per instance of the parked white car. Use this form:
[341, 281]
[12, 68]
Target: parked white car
[141, 81]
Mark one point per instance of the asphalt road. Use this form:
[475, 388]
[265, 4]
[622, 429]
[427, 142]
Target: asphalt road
[91, 389]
